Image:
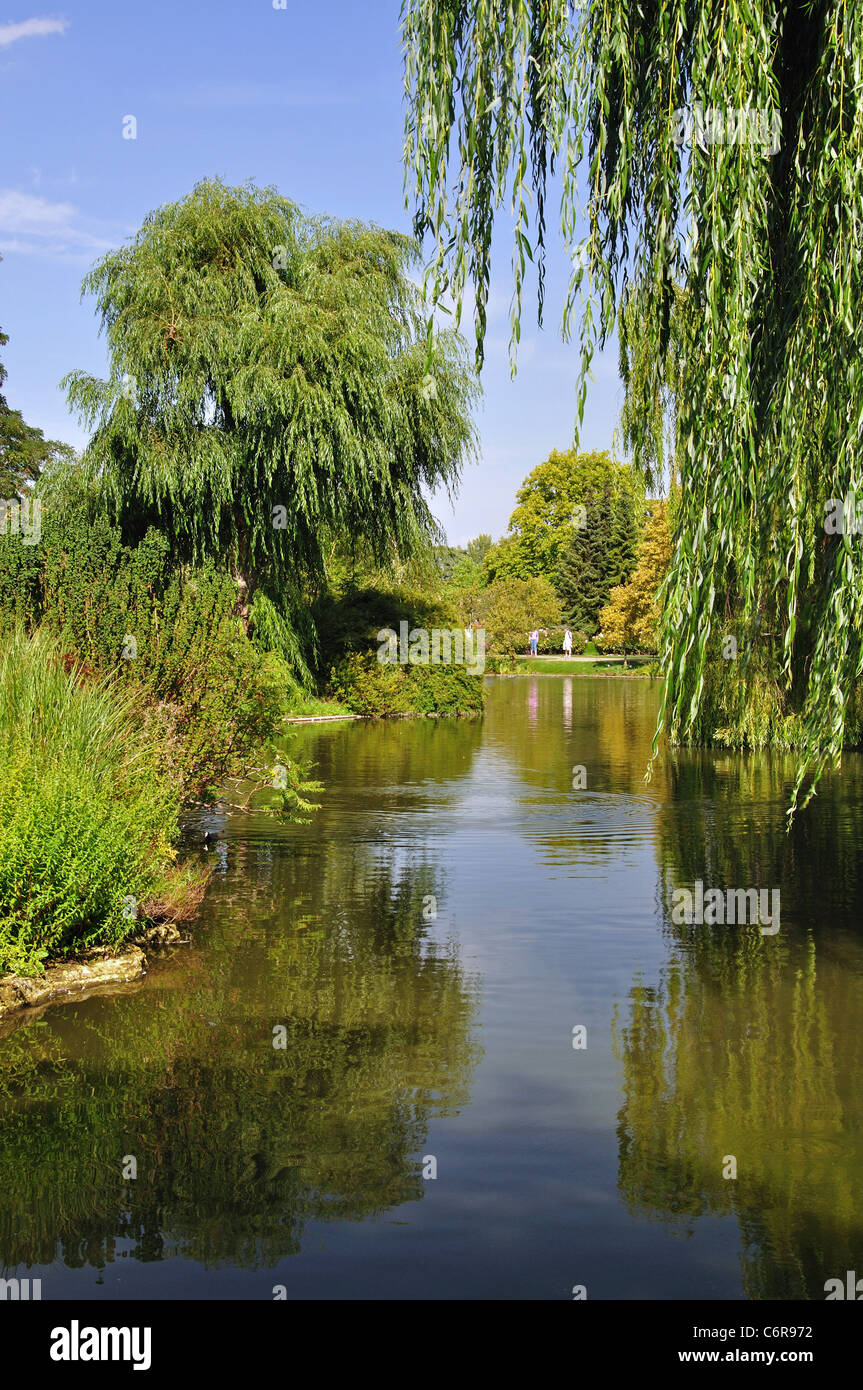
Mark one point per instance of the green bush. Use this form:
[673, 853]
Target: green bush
[225, 696]
[88, 807]
[217, 691]
[139, 691]
[367, 686]
[349, 623]
[445, 690]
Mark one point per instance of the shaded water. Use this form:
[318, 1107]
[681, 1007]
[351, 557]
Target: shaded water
[424, 949]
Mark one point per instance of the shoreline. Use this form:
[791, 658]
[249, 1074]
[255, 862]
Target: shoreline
[582, 675]
[71, 980]
[319, 718]
[99, 969]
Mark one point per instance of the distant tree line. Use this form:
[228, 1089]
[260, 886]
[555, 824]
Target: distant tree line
[584, 548]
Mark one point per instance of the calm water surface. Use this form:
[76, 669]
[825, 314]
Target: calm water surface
[420, 955]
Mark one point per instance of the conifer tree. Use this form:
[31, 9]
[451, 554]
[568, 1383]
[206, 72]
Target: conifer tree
[600, 555]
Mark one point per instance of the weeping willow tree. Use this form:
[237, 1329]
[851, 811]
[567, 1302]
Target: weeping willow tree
[269, 393]
[717, 151]
[648, 416]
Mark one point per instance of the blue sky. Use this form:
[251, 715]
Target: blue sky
[308, 98]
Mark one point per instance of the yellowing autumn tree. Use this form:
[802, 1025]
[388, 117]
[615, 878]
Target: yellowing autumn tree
[629, 621]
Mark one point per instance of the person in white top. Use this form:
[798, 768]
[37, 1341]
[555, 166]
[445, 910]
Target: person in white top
[567, 643]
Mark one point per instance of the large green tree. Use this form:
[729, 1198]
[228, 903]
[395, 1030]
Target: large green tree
[269, 393]
[719, 150]
[549, 503]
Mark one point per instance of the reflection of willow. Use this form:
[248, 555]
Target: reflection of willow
[749, 1045]
[239, 1144]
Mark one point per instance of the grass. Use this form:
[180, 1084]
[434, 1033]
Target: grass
[89, 806]
[299, 704]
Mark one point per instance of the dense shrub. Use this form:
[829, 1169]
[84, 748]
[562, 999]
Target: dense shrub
[349, 624]
[172, 633]
[367, 686]
[139, 692]
[444, 690]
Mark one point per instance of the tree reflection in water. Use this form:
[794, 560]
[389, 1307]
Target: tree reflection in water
[240, 1144]
[750, 1045]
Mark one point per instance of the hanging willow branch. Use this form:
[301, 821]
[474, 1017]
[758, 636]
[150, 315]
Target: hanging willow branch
[709, 154]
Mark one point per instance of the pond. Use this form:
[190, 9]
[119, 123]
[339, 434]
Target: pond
[447, 1041]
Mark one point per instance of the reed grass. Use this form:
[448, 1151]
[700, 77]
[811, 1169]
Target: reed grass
[89, 805]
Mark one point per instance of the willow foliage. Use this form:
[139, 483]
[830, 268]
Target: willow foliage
[269, 385]
[718, 149]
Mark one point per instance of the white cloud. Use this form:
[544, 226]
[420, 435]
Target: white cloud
[31, 29]
[30, 225]
[24, 212]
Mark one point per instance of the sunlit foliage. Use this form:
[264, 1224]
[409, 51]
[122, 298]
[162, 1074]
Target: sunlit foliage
[755, 217]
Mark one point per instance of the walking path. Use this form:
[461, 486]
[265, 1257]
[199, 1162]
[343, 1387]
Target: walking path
[599, 656]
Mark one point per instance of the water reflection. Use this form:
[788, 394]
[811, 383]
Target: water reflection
[325, 947]
[444, 848]
[750, 1046]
